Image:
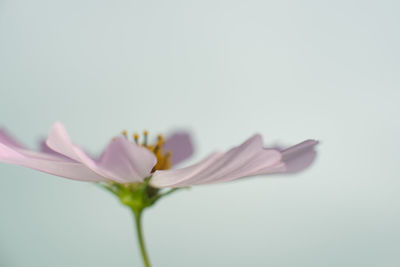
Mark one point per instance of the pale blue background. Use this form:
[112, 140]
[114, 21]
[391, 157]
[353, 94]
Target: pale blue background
[290, 70]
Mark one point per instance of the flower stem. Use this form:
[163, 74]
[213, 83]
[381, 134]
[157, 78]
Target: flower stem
[138, 222]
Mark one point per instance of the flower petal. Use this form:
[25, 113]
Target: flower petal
[180, 145]
[47, 163]
[7, 140]
[122, 162]
[128, 160]
[244, 160]
[300, 156]
[294, 159]
[171, 178]
[44, 148]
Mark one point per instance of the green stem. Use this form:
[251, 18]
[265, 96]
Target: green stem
[138, 222]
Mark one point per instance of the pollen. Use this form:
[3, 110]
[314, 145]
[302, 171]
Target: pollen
[163, 158]
[136, 137]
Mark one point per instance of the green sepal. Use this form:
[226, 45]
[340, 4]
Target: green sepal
[137, 196]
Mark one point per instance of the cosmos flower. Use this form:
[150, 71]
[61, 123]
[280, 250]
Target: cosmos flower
[138, 173]
[124, 161]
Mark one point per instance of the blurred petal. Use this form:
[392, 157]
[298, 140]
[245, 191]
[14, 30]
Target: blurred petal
[45, 148]
[122, 162]
[7, 140]
[48, 163]
[244, 160]
[180, 145]
[300, 156]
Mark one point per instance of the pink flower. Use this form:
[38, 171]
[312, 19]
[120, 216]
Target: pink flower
[124, 165]
[124, 161]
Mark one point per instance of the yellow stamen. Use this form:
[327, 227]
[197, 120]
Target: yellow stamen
[167, 161]
[125, 133]
[136, 137]
[145, 134]
[160, 142]
[155, 149]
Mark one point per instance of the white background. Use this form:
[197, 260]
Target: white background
[290, 70]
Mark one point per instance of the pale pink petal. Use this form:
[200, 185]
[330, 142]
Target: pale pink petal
[122, 162]
[244, 160]
[180, 145]
[7, 140]
[170, 178]
[266, 160]
[48, 163]
[44, 148]
[294, 159]
[128, 160]
[300, 156]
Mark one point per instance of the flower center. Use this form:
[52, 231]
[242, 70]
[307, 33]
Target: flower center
[163, 158]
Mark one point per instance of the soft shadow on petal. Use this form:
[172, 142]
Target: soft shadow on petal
[6, 139]
[244, 160]
[122, 162]
[180, 145]
[300, 156]
[44, 148]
